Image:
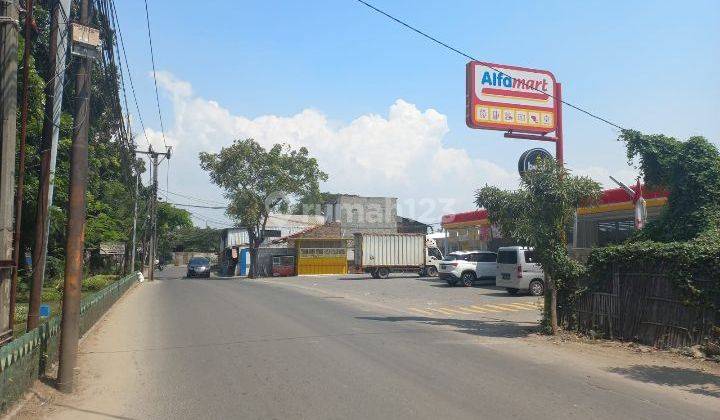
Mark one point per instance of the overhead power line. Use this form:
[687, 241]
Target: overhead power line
[189, 197]
[152, 59]
[129, 73]
[466, 55]
[197, 206]
[207, 219]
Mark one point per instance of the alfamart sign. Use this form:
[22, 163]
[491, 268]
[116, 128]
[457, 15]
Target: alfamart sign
[510, 98]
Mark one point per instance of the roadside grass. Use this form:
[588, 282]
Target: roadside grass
[52, 296]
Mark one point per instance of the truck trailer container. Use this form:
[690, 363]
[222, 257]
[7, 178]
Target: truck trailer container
[383, 253]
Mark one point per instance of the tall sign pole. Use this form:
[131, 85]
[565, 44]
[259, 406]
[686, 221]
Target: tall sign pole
[9, 26]
[559, 152]
[526, 104]
[85, 41]
[55, 81]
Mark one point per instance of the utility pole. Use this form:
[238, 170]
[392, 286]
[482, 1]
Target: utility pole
[20, 192]
[55, 81]
[153, 205]
[83, 40]
[134, 228]
[9, 27]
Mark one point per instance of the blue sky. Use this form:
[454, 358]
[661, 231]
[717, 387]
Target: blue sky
[652, 66]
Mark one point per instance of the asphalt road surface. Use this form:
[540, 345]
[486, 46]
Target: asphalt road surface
[219, 349]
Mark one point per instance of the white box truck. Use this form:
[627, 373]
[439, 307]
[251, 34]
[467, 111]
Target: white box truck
[383, 253]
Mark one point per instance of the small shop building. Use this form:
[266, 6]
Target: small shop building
[320, 250]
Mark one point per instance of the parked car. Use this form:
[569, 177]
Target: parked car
[467, 266]
[518, 271]
[198, 267]
[283, 265]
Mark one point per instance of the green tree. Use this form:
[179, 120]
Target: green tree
[170, 219]
[110, 193]
[312, 202]
[195, 239]
[691, 172]
[259, 181]
[538, 214]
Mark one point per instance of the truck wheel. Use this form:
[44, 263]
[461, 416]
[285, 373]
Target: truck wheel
[374, 274]
[468, 278]
[431, 271]
[383, 272]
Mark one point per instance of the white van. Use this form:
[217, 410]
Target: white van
[517, 271]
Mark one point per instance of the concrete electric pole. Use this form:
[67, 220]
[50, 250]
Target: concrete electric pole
[153, 205]
[9, 27]
[85, 43]
[134, 226]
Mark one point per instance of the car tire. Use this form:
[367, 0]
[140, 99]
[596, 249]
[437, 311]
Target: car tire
[374, 274]
[468, 278]
[383, 272]
[431, 271]
[512, 291]
[536, 288]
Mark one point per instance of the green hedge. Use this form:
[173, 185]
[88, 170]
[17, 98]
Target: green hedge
[93, 283]
[685, 263]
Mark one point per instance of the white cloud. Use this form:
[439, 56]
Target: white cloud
[402, 154]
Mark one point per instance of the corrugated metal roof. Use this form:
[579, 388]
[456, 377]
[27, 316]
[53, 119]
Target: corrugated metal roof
[287, 224]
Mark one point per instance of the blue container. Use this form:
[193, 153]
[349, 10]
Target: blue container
[244, 262]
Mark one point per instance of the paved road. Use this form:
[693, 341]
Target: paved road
[219, 349]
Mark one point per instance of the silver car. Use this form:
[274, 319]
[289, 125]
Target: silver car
[198, 267]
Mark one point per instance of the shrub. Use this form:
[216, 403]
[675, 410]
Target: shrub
[50, 294]
[683, 262]
[21, 312]
[98, 282]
